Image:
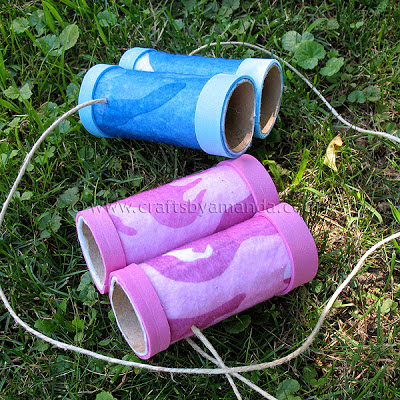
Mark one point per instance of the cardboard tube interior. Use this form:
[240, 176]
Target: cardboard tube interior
[239, 117]
[93, 255]
[127, 318]
[270, 99]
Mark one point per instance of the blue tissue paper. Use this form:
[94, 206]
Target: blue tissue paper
[266, 73]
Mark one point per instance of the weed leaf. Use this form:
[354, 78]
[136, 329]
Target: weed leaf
[105, 396]
[22, 93]
[179, 24]
[387, 305]
[78, 323]
[63, 364]
[290, 385]
[11, 93]
[37, 20]
[69, 36]
[332, 66]
[357, 25]
[332, 24]
[48, 44]
[286, 389]
[26, 195]
[231, 4]
[46, 325]
[309, 374]
[42, 159]
[41, 345]
[237, 323]
[356, 96]
[47, 223]
[372, 93]
[72, 92]
[307, 36]
[111, 316]
[25, 92]
[4, 157]
[382, 6]
[55, 223]
[19, 25]
[68, 198]
[308, 53]
[64, 127]
[189, 4]
[339, 101]
[86, 280]
[291, 40]
[106, 19]
[391, 128]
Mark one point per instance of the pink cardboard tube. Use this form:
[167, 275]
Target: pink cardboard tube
[298, 240]
[208, 280]
[154, 222]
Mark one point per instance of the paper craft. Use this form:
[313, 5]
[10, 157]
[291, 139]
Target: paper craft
[201, 283]
[266, 73]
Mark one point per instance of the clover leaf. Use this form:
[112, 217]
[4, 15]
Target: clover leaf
[287, 389]
[308, 53]
[22, 93]
[292, 39]
[356, 96]
[332, 66]
[373, 93]
[105, 396]
[20, 25]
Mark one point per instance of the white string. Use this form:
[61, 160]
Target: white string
[315, 90]
[218, 361]
[235, 374]
[210, 371]
[29, 156]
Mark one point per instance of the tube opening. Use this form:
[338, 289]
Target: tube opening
[91, 252]
[239, 117]
[270, 99]
[127, 318]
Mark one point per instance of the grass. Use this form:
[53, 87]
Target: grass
[357, 353]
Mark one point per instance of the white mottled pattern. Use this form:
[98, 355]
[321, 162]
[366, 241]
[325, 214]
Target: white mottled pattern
[188, 255]
[218, 182]
[257, 270]
[143, 64]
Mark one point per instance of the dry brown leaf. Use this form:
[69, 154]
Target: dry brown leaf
[330, 155]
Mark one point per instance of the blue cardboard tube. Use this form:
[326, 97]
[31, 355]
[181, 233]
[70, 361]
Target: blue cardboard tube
[266, 73]
[213, 114]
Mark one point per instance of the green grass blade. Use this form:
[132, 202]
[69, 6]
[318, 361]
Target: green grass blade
[303, 164]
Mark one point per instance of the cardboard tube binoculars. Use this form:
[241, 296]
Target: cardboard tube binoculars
[156, 302]
[204, 103]
[156, 221]
[266, 75]
[213, 114]
[195, 251]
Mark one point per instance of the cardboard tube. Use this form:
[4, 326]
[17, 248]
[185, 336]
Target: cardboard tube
[212, 278]
[156, 221]
[266, 73]
[214, 114]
